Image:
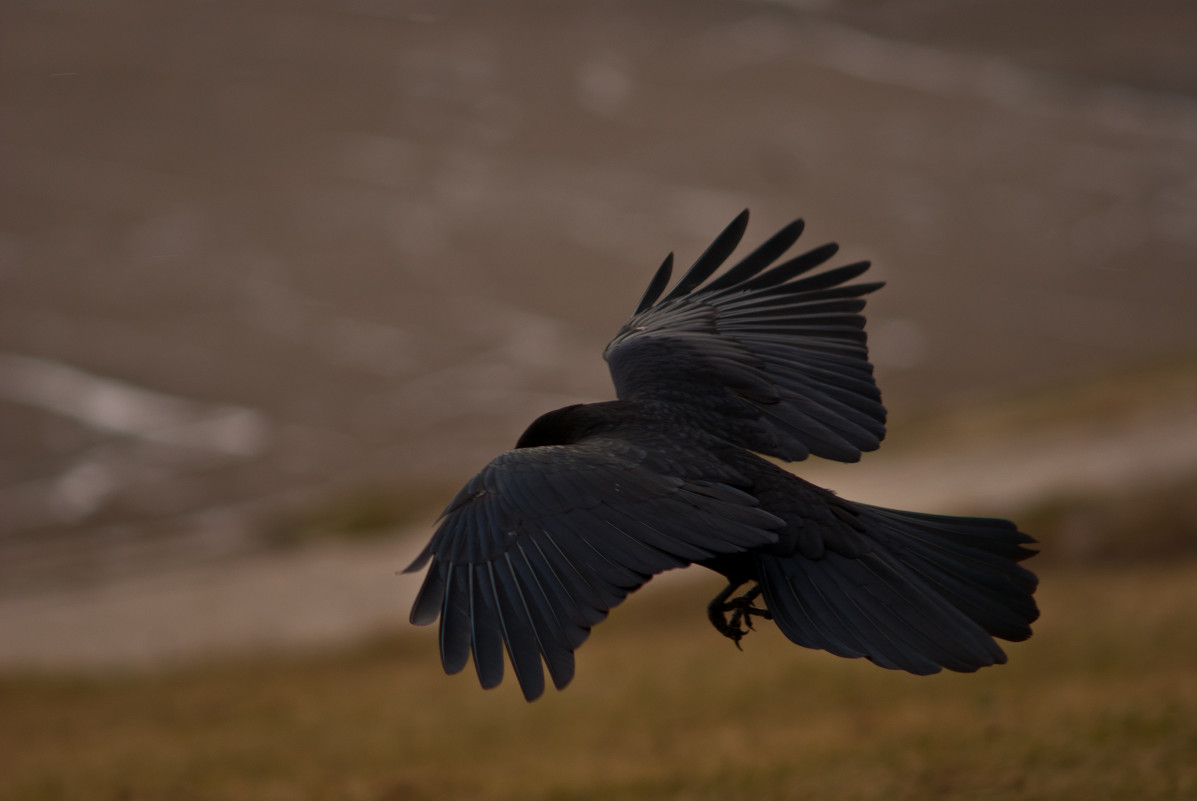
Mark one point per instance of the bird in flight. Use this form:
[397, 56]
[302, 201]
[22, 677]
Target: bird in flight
[766, 359]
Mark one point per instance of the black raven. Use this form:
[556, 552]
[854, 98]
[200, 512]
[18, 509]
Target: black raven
[597, 498]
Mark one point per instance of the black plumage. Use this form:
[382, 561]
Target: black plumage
[597, 498]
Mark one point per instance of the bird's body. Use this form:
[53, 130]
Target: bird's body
[597, 498]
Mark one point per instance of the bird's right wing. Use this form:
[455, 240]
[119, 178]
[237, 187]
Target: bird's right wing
[537, 548]
[766, 357]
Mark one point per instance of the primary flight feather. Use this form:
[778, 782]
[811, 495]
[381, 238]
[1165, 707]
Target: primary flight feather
[595, 499]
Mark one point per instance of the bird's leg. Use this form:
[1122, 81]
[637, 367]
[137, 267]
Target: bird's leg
[739, 623]
[717, 613]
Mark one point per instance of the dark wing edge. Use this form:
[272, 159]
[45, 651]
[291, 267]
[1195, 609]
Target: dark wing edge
[539, 546]
[771, 358]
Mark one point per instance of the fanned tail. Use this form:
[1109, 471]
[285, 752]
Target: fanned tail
[908, 591]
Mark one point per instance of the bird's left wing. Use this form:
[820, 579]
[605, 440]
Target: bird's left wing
[538, 547]
[767, 356]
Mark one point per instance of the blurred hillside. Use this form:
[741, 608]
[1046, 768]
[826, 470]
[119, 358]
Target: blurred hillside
[254, 255]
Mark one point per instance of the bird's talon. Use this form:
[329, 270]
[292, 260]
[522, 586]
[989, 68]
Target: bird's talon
[732, 617]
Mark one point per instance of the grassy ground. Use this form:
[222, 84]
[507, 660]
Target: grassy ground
[1101, 704]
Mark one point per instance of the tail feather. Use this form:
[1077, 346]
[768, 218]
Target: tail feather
[928, 592]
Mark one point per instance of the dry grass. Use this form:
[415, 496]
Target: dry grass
[1102, 704]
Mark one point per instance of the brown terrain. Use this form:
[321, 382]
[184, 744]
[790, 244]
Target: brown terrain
[268, 266]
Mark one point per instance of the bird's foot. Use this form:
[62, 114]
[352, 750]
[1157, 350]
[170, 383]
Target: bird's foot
[732, 617]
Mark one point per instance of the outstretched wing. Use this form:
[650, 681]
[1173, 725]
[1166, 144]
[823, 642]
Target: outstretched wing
[537, 548]
[769, 358]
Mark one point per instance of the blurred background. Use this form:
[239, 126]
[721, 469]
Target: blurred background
[275, 278]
